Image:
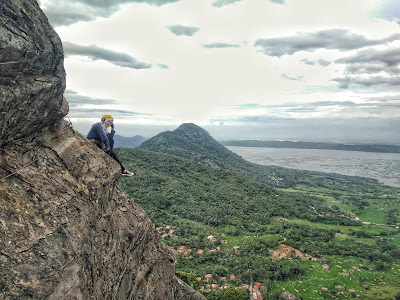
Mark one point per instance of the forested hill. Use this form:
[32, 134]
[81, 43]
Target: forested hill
[128, 142]
[312, 145]
[193, 142]
[169, 186]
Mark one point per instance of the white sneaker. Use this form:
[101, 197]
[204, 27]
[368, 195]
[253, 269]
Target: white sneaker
[127, 173]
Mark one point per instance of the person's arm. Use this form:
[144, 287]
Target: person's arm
[103, 136]
[111, 134]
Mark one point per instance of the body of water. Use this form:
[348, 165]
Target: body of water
[382, 166]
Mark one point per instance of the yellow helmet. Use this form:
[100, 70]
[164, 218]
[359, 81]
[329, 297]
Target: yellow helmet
[106, 116]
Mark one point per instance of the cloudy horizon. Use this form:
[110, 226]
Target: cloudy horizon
[268, 69]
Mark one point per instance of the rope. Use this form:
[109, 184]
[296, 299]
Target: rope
[69, 123]
[24, 166]
[66, 119]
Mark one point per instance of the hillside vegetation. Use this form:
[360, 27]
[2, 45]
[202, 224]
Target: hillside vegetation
[214, 197]
[306, 237]
[192, 142]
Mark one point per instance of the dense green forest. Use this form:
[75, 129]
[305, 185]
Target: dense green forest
[248, 219]
[314, 145]
[215, 197]
[237, 225]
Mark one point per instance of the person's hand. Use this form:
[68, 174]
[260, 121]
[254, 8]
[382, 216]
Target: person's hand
[112, 126]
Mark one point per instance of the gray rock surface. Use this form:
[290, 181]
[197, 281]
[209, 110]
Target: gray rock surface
[32, 80]
[67, 231]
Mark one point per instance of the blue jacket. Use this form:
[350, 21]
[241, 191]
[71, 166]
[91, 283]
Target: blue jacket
[97, 133]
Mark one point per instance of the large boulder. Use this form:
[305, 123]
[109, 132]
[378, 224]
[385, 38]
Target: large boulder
[32, 76]
[67, 231]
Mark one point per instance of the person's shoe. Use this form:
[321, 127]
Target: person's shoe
[127, 173]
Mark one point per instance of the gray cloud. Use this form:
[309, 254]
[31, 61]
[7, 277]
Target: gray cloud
[358, 69]
[78, 110]
[371, 67]
[98, 112]
[75, 100]
[389, 57]
[285, 106]
[221, 45]
[301, 109]
[308, 62]
[163, 66]
[284, 112]
[183, 30]
[67, 12]
[220, 3]
[94, 52]
[323, 62]
[71, 15]
[277, 1]
[385, 99]
[345, 82]
[334, 39]
[330, 103]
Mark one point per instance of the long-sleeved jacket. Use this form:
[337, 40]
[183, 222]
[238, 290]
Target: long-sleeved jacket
[97, 133]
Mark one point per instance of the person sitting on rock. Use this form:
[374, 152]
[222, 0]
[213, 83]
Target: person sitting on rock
[105, 140]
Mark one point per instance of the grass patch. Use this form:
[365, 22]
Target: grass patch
[242, 240]
[318, 283]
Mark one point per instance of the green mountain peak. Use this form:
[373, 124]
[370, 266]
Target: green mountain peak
[193, 142]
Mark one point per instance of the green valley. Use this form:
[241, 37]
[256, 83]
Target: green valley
[312, 235]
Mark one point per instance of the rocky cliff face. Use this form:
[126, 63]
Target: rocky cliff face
[67, 231]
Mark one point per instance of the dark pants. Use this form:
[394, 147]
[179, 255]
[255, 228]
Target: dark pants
[111, 153]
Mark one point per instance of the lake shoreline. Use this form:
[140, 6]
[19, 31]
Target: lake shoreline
[385, 167]
[376, 148]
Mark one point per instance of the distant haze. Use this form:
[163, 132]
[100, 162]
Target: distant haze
[352, 131]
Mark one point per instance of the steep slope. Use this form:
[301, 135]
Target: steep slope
[66, 229]
[193, 142]
[176, 186]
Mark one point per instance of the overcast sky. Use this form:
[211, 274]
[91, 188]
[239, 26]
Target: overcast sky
[270, 69]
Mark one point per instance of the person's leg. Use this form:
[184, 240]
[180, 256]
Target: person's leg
[111, 140]
[114, 156]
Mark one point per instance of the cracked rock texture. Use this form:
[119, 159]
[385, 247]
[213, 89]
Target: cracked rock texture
[67, 231]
